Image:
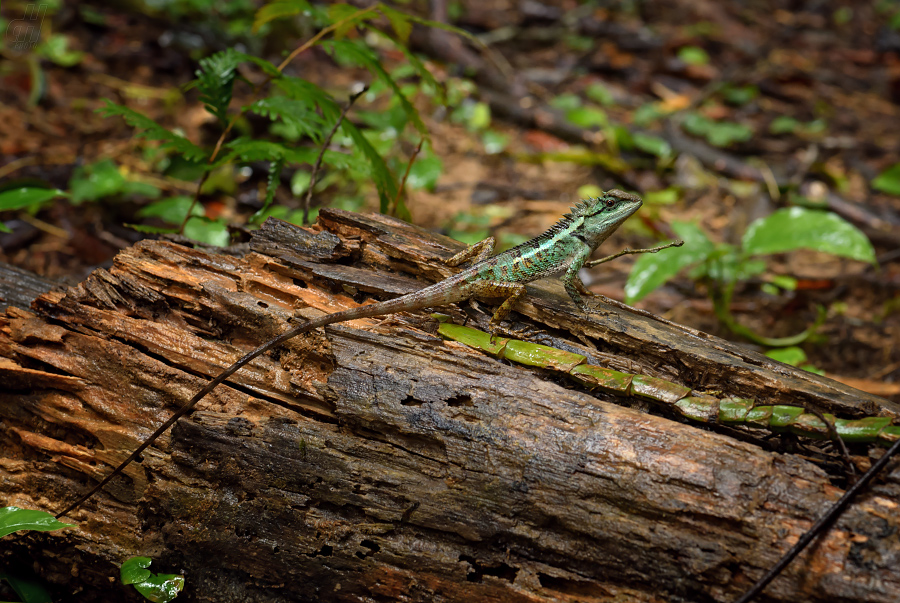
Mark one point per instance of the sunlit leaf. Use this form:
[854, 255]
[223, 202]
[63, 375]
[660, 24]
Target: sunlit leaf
[13, 519]
[425, 172]
[652, 145]
[798, 227]
[693, 55]
[653, 269]
[95, 181]
[27, 196]
[888, 181]
[160, 588]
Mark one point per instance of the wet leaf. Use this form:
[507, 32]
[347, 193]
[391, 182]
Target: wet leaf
[653, 269]
[798, 227]
[13, 519]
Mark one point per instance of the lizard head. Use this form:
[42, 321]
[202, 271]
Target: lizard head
[602, 215]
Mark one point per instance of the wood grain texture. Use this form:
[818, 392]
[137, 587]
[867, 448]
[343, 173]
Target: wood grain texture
[375, 462]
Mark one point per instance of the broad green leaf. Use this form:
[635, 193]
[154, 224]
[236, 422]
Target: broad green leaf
[278, 10]
[160, 588]
[783, 124]
[205, 230]
[588, 117]
[494, 142]
[95, 181]
[798, 227]
[790, 355]
[56, 48]
[172, 210]
[29, 590]
[652, 145]
[425, 172]
[740, 95]
[693, 55]
[399, 21]
[718, 133]
[134, 570]
[300, 181]
[666, 196]
[653, 269]
[27, 196]
[13, 519]
[566, 102]
[888, 181]
[599, 93]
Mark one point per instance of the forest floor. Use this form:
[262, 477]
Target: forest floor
[749, 108]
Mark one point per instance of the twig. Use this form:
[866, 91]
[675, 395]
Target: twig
[318, 164]
[412, 158]
[608, 258]
[821, 525]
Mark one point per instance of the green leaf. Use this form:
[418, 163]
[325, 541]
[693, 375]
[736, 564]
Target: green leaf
[566, 102]
[57, 50]
[790, 355]
[205, 230]
[740, 95]
[425, 172]
[783, 124]
[279, 10]
[652, 145]
[494, 142]
[361, 55]
[27, 196]
[154, 131]
[589, 191]
[718, 133]
[888, 181]
[215, 81]
[95, 181]
[160, 588]
[399, 21]
[13, 519]
[599, 93]
[693, 55]
[29, 589]
[172, 210]
[588, 117]
[653, 269]
[798, 227]
[647, 114]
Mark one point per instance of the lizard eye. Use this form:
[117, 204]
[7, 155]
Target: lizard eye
[609, 202]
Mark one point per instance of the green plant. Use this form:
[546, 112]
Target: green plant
[159, 588]
[14, 519]
[724, 266]
[304, 118]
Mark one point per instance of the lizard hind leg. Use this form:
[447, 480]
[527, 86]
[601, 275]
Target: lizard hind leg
[480, 251]
[509, 292]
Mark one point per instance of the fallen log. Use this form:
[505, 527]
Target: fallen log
[374, 461]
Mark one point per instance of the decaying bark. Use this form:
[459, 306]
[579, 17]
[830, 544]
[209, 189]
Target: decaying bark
[375, 462]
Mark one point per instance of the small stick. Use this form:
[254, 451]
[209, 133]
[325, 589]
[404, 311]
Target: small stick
[608, 258]
[318, 164]
[412, 158]
[820, 525]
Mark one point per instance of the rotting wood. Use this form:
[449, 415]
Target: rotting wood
[379, 462]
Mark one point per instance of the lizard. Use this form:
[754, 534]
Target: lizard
[565, 246]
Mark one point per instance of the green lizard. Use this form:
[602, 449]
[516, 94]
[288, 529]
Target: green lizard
[565, 246]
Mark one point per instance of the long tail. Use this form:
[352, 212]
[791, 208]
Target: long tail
[429, 296]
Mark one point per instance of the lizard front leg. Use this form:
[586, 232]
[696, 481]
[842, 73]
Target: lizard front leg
[572, 282]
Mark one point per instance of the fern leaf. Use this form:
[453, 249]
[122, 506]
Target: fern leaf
[215, 80]
[154, 131]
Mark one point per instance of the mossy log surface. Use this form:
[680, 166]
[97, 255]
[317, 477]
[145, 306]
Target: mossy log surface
[373, 461]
